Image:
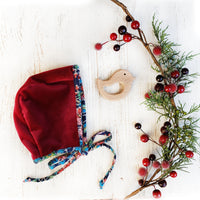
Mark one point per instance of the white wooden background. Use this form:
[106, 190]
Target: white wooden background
[40, 35]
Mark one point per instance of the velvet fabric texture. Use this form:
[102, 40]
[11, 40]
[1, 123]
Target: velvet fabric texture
[45, 112]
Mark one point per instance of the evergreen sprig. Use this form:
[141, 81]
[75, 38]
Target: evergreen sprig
[170, 58]
[183, 133]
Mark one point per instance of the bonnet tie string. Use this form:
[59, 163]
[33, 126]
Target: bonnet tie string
[74, 153]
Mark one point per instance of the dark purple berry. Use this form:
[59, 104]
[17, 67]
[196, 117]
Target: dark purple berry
[128, 18]
[159, 78]
[167, 124]
[122, 30]
[138, 126]
[152, 157]
[162, 183]
[164, 130]
[159, 87]
[116, 47]
[140, 182]
[185, 71]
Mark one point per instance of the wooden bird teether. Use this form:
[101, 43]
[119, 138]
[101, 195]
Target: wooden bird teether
[121, 76]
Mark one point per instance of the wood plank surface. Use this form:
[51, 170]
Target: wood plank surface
[37, 36]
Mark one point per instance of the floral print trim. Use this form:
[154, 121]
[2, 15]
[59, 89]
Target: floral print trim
[80, 106]
[56, 153]
[67, 156]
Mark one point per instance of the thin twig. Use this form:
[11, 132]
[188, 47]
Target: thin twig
[154, 142]
[124, 8]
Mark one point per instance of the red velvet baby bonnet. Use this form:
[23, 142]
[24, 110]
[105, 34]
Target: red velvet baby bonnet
[50, 119]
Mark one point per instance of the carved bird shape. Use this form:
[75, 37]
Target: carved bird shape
[121, 76]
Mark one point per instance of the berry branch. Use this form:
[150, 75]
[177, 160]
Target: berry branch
[178, 138]
[142, 36]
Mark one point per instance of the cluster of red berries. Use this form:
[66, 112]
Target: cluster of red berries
[126, 37]
[155, 164]
[172, 87]
[122, 30]
[151, 160]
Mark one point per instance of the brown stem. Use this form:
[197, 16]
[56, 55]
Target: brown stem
[135, 192]
[139, 190]
[143, 36]
[144, 182]
[179, 151]
[144, 186]
[157, 179]
[155, 173]
[124, 8]
[172, 102]
[154, 141]
[178, 146]
[145, 178]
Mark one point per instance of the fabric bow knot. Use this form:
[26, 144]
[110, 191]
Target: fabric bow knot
[69, 155]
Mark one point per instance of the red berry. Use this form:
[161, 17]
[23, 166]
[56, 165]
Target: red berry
[144, 138]
[189, 154]
[171, 88]
[142, 171]
[163, 139]
[181, 89]
[127, 37]
[173, 174]
[147, 96]
[165, 164]
[167, 88]
[98, 46]
[146, 162]
[175, 74]
[156, 194]
[156, 164]
[113, 36]
[157, 50]
[135, 25]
